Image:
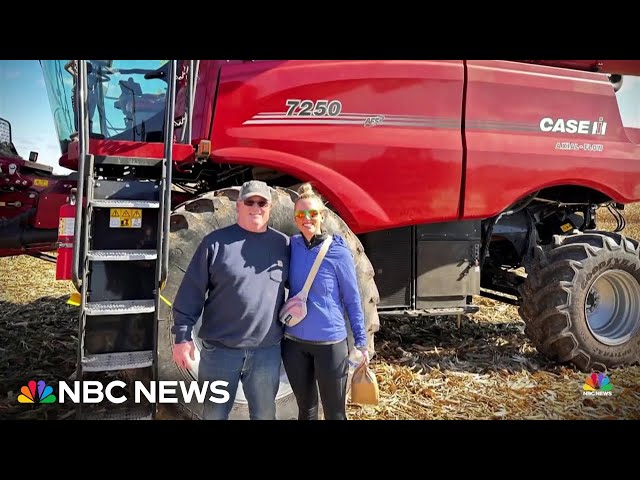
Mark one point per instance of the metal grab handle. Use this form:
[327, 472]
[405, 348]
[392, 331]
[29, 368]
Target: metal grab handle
[83, 145]
[165, 200]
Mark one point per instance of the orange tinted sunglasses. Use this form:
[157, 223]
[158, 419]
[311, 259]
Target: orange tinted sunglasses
[304, 213]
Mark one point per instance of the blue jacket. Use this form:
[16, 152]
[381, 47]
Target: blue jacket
[333, 292]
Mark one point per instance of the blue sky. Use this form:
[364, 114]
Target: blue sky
[24, 102]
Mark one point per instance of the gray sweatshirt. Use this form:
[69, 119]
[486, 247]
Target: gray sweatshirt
[236, 280]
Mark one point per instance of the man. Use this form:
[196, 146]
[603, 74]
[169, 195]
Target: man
[237, 276]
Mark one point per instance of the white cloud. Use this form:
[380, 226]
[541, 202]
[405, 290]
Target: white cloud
[48, 151]
[10, 74]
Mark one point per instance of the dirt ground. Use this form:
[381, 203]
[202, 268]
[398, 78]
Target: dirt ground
[426, 368]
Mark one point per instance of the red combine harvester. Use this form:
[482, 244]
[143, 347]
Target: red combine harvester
[449, 179]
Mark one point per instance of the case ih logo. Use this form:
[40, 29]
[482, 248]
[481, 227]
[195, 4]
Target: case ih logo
[582, 127]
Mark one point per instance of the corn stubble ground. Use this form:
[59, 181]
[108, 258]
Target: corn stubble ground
[426, 369]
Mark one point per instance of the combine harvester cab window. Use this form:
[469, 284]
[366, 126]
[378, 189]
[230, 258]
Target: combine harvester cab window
[126, 98]
[6, 144]
[628, 97]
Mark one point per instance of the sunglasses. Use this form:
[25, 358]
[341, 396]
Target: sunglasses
[304, 213]
[260, 203]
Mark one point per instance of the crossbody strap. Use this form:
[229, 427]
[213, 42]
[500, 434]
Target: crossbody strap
[316, 264]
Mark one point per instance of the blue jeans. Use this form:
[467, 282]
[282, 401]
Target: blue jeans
[259, 370]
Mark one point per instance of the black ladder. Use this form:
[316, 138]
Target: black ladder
[120, 264]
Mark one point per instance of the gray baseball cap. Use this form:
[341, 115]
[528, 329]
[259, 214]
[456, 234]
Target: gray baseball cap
[255, 187]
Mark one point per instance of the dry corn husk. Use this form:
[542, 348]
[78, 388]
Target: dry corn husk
[425, 368]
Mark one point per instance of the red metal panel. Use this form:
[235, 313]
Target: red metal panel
[181, 152]
[404, 168]
[48, 212]
[509, 155]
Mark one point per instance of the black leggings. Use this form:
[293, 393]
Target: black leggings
[329, 365]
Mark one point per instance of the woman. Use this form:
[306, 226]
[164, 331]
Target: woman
[316, 348]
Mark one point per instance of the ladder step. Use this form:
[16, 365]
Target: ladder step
[125, 203]
[122, 255]
[105, 362]
[132, 189]
[129, 412]
[120, 307]
[133, 161]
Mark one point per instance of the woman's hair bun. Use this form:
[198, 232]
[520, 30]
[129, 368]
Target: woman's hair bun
[305, 188]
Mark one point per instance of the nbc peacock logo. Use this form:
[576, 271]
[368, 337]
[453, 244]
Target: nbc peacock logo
[34, 392]
[597, 384]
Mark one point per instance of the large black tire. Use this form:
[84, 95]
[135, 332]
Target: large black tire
[581, 301]
[194, 219]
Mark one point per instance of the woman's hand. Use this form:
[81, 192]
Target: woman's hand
[365, 354]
